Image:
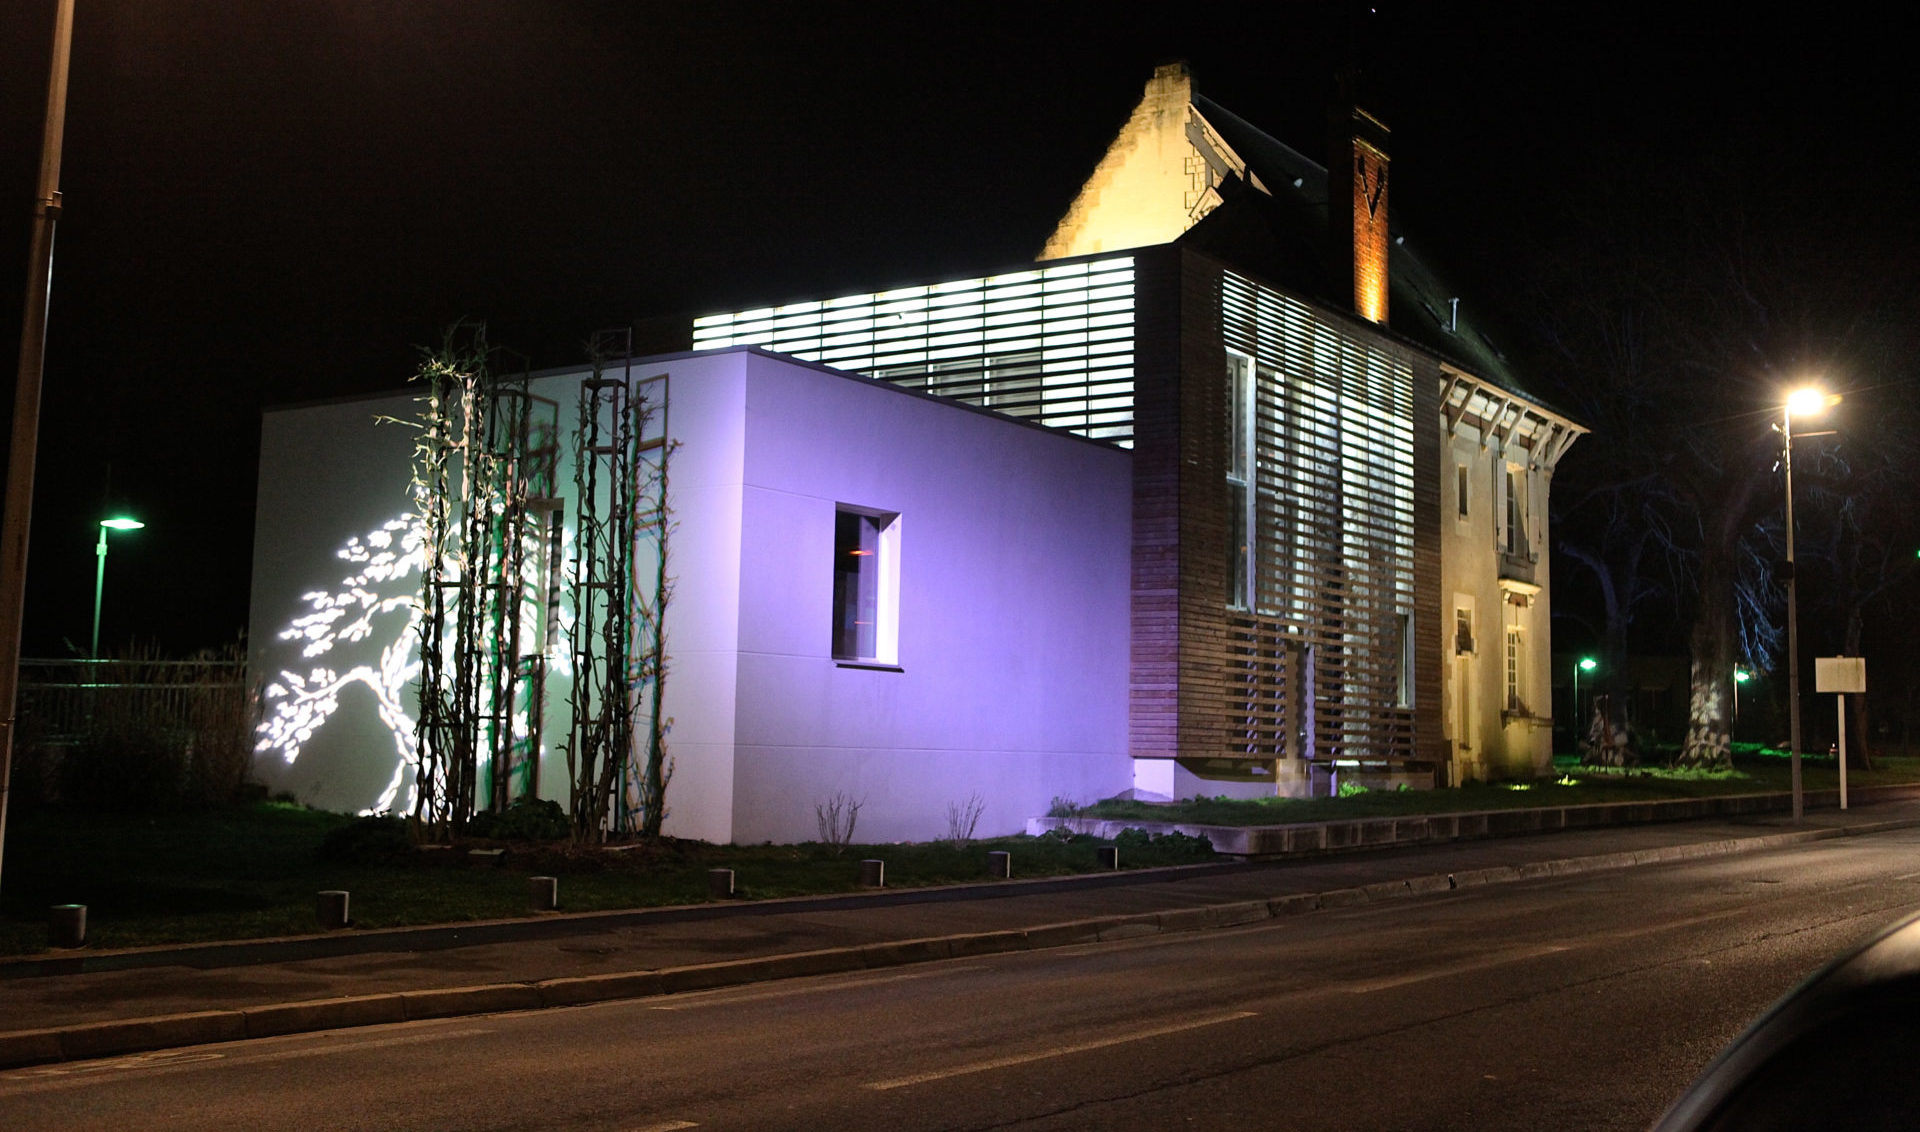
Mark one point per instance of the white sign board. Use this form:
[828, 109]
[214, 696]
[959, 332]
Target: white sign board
[1839, 673]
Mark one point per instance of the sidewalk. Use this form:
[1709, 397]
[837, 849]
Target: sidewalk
[563, 960]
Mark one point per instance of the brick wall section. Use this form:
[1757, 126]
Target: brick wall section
[1370, 232]
[1357, 151]
[1176, 702]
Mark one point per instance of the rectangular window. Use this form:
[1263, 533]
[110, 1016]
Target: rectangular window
[1515, 661]
[1403, 683]
[1516, 536]
[1462, 630]
[1240, 501]
[866, 585]
[1460, 493]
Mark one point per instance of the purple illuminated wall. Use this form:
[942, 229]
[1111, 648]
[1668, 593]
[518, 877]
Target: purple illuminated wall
[1012, 606]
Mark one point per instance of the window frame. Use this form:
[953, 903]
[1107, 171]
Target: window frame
[879, 584]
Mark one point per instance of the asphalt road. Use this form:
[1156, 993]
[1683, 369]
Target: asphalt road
[1587, 1002]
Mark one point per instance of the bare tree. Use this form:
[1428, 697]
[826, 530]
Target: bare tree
[1675, 336]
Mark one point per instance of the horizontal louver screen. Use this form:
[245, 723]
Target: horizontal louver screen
[1333, 518]
[1052, 344]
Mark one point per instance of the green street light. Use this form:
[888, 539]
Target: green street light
[1586, 664]
[1740, 676]
[117, 523]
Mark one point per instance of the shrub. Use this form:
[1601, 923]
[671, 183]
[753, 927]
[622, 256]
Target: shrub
[1138, 847]
[524, 819]
[963, 818]
[1349, 789]
[836, 816]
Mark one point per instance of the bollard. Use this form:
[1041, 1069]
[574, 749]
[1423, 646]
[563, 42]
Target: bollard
[543, 894]
[331, 907]
[67, 925]
[1109, 856]
[999, 864]
[873, 874]
[720, 882]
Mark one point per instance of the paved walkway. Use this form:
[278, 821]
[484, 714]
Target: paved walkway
[556, 960]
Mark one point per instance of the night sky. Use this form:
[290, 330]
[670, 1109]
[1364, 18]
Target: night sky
[271, 202]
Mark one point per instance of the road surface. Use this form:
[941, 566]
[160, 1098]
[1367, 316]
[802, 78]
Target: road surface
[1586, 1002]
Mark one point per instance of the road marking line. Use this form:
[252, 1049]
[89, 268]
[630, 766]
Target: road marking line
[666, 1126]
[52, 1078]
[725, 996]
[1498, 959]
[158, 1059]
[1056, 1051]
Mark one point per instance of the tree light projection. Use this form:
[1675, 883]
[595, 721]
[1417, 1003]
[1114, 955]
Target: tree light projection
[377, 600]
[465, 595]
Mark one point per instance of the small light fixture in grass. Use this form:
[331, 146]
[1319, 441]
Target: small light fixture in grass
[1519, 785]
[1568, 780]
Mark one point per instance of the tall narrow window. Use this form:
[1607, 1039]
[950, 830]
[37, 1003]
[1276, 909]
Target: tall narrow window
[1516, 661]
[1240, 527]
[1403, 679]
[1461, 480]
[1517, 512]
[866, 585]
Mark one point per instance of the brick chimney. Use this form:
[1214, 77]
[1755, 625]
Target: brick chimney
[1357, 207]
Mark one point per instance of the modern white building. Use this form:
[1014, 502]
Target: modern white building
[1225, 495]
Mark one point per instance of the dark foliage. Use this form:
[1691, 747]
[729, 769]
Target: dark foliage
[525, 819]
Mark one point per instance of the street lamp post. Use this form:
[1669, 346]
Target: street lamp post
[1740, 676]
[1805, 402]
[119, 523]
[1585, 664]
[25, 447]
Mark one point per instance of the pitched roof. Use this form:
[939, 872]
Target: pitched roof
[1184, 168]
[1283, 235]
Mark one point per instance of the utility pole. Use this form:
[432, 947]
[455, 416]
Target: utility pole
[26, 403]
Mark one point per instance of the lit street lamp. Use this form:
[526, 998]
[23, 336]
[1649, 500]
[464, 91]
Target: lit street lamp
[120, 523]
[1740, 676]
[1809, 401]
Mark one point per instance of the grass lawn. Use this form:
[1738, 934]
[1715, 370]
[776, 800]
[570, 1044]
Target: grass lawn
[253, 871]
[1755, 771]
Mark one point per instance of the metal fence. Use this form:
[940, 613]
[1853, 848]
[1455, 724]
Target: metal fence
[61, 700]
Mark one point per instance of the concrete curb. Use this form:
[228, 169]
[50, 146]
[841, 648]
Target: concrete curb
[438, 937]
[134, 1035]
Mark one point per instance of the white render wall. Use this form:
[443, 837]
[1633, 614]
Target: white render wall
[1013, 620]
[1014, 611]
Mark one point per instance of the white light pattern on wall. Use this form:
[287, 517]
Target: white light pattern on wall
[376, 602]
[1051, 344]
[379, 596]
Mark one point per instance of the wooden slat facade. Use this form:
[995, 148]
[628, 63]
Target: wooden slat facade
[1345, 529]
